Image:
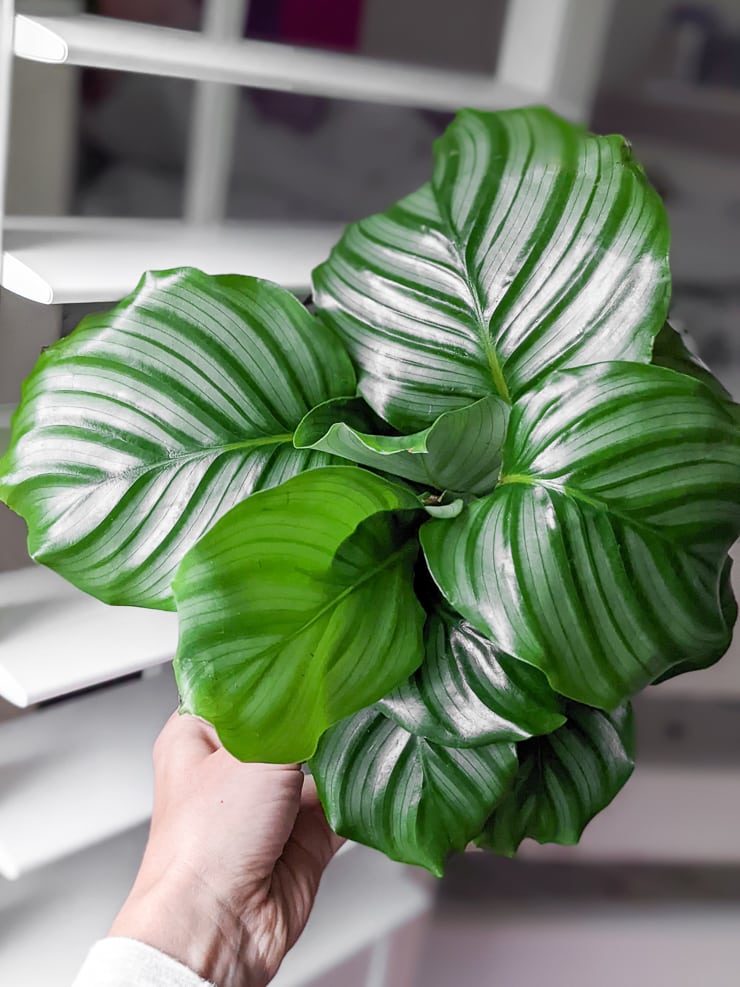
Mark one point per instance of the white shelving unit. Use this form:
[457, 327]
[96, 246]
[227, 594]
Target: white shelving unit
[55, 639]
[79, 772]
[50, 919]
[75, 778]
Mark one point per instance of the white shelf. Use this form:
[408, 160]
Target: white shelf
[58, 260]
[663, 815]
[79, 772]
[133, 47]
[55, 639]
[50, 919]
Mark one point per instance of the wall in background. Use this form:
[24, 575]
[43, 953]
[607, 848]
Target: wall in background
[635, 32]
[462, 34]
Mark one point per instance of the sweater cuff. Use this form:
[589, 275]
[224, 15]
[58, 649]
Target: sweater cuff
[118, 962]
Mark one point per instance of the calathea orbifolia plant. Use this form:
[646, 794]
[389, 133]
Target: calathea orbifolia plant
[434, 533]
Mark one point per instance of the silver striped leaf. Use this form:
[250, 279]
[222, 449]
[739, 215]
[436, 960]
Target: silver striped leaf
[467, 692]
[297, 609]
[148, 423]
[414, 800]
[600, 557]
[564, 780]
[642, 442]
[536, 246]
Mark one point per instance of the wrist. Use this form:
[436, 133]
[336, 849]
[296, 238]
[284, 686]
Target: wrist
[183, 920]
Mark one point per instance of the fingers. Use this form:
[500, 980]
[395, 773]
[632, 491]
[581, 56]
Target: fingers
[312, 808]
[186, 737]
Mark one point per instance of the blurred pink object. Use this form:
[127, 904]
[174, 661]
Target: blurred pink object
[322, 23]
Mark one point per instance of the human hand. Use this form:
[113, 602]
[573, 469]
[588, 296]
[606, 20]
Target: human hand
[233, 861]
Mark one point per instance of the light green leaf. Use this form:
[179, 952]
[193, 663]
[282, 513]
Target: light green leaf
[466, 692]
[564, 780]
[297, 609]
[414, 800]
[442, 510]
[460, 451]
[569, 565]
[150, 421]
[536, 246]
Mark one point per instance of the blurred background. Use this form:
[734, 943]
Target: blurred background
[240, 136]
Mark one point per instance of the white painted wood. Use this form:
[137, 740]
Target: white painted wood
[555, 49]
[68, 259]
[7, 20]
[50, 918]
[55, 639]
[213, 123]
[25, 329]
[129, 46]
[79, 772]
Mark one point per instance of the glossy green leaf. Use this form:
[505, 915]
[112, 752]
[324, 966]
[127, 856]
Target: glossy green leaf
[414, 800]
[569, 565]
[460, 451]
[564, 780]
[466, 692]
[642, 442]
[297, 609]
[150, 421]
[536, 246]
[728, 605]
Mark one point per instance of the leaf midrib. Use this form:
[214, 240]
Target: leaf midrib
[600, 505]
[489, 350]
[138, 471]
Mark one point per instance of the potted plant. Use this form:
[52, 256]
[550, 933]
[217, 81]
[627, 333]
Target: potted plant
[432, 531]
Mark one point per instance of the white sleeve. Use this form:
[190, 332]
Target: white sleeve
[118, 962]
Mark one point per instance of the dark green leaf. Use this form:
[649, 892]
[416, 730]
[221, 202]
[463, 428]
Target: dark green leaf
[568, 564]
[728, 606]
[642, 442]
[297, 609]
[536, 246]
[460, 451]
[564, 780]
[414, 800]
[675, 351]
[466, 692]
[150, 421]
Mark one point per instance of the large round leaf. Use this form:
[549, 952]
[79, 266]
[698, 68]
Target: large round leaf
[414, 800]
[536, 246]
[461, 451]
[150, 421]
[643, 442]
[297, 609]
[467, 692]
[564, 780]
[568, 564]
